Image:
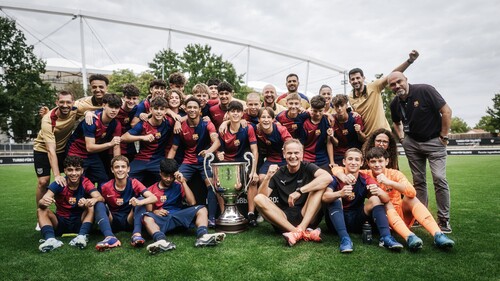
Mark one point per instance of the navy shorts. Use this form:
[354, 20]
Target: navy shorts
[95, 170]
[42, 163]
[183, 218]
[354, 219]
[141, 168]
[188, 170]
[265, 167]
[120, 222]
[68, 225]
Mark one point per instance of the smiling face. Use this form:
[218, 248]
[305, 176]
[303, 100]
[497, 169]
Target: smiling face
[398, 84]
[120, 169]
[382, 140]
[192, 110]
[167, 179]
[73, 174]
[266, 120]
[292, 84]
[225, 97]
[98, 88]
[202, 97]
[157, 91]
[174, 100]
[65, 103]
[327, 94]
[293, 106]
[235, 115]
[377, 165]
[158, 113]
[293, 154]
[269, 93]
[352, 161]
[253, 106]
[213, 93]
[130, 102]
[357, 81]
[110, 112]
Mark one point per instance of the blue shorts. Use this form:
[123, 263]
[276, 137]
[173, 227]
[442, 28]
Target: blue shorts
[354, 219]
[183, 218]
[95, 170]
[68, 225]
[141, 168]
[188, 170]
[120, 222]
[265, 167]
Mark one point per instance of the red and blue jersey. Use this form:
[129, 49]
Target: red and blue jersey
[155, 149]
[291, 124]
[346, 134]
[273, 143]
[101, 132]
[217, 115]
[124, 118]
[359, 190]
[118, 201]
[194, 139]
[252, 120]
[314, 138]
[67, 199]
[170, 198]
[143, 107]
[236, 144]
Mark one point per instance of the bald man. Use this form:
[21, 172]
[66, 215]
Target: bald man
[269, 96]
[422, 121]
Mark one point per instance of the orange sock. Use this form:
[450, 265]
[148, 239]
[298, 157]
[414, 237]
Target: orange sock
[424, 217]
[397, 224]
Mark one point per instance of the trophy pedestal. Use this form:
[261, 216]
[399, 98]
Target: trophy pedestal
[231, 221]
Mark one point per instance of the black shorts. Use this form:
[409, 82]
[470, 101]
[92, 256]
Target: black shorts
[42, 164]
[293, 216]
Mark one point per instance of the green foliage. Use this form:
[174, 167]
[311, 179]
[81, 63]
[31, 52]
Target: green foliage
[76, 88]
[198, 63]
[125, 76]
[494, 112]
[458, 125]
[22, 91]
[485, 124]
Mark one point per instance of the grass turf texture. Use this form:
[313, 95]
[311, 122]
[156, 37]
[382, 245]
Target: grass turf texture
[259, 254]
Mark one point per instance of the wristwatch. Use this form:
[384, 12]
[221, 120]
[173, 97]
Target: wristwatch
[298, 190]
[445, 138]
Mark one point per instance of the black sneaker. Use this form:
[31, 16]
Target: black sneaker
[252, 219]
[445, 226]
[416, 224]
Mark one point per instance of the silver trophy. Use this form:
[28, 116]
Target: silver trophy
[229, 179]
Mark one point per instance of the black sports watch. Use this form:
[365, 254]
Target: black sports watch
[445, 138]
[298, 190]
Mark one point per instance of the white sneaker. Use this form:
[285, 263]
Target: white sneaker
[37, 228]
[160, 246]
[49, 245]
[210, 239]
[79, 241]
[260, 219]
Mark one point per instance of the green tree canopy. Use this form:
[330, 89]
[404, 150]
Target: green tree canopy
[121, 77]
[485, 124]
[22, 91]
[494, 113]
[458, 125]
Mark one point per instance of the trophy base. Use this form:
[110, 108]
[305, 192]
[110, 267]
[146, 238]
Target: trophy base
[231, 221]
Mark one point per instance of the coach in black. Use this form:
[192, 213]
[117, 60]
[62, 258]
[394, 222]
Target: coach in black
[297, 189]
[422, 120]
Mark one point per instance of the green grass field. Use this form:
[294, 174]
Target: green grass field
[259, 254]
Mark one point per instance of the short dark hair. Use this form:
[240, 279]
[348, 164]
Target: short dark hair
[356, 70]
[176, 78]
[130, 90]
[168, 166]
[112, 100]
[291, 75]
[340, 100]
[192, 99]
[324, 86]
[376, 152]
[159, 102]
[235, 105]
[73, 161]
[65, 93]
[224, 86]
[213, 81]
[318, 102]
[157, 82]
[353, 149]
[268, 109]
[119, 158]
[99, 77]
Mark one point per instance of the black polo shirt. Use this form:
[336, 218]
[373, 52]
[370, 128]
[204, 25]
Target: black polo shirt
[284, 183]
[420, 111]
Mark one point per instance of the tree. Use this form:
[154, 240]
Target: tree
[458, 125]
[485, 124]
[199, 64]
[494, 113]
[124, 76]
[76, 88]
[22, 91]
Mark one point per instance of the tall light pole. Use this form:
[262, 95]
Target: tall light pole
[162, 71]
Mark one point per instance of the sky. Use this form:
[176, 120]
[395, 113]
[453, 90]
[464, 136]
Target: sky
[458, 41]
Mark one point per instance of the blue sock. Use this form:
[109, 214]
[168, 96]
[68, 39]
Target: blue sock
[200, 231]
[47, 232]
[85, 228]
[211, 204]
[102, 219]
[159, 236]
[336, 214]
[138, 213]
[379, 217]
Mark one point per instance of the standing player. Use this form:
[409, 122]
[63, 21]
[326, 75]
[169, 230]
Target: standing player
[347, 129]
[269, 99]
[234, 143]
[156, 88]
[126, 115]
[292, 85]
[88, 141]
[353, 194]
[123, 211]
[292, 117]
[251, 114]
[218, 112]
[168, 212]
[176, 81]
[326, 92]
[198, 137]
[74, 208]
[212, 85]
[298, 186]
[153, 136]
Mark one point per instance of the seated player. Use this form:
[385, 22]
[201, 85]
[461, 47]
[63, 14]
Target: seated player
[168, 212]
[353, 194]
[402, 211]
[123, 211]
[74, 207]
[234, 143]
[299, 187]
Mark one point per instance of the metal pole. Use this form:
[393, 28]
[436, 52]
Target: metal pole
[84, 67]
[345, 82]
[307, 78]
[248, 65]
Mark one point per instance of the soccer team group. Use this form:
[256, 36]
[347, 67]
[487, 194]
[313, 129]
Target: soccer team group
[126, 165]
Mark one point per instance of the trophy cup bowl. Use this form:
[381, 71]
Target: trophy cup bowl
[229, 180]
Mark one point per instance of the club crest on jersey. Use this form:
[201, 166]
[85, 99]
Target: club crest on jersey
[345, 132]
[72, 200]
[195, 137]
[158, 135]
[294, 126]
[103, 135]
[126, 120]
[163, 198]
[236, 142]
[318, 132]
[268, 142]
[119, 201]
[416, 103]
[39, 171]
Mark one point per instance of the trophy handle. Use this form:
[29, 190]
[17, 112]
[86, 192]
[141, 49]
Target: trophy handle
[248, 156]
[210, 157]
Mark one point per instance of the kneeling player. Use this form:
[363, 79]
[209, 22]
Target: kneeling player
[168, 213]
[121, 194]
[74, 210]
